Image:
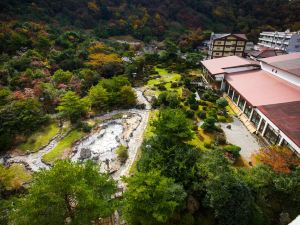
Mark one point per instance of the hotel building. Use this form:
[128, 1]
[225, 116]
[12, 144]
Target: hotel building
[286, 41]
[266, 95]
[221, 45]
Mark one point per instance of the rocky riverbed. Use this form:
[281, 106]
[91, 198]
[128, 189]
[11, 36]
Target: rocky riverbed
[101, 144]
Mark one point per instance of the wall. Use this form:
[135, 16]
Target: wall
[293, 79]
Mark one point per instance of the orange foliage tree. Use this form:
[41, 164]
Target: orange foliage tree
[99, 56]
[280, 159]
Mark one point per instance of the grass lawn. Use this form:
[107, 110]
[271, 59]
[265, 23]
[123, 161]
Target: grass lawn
[14, 176]
[166, 78]
[40, 138]
[201, 138]
[64, 145]
[152, 116]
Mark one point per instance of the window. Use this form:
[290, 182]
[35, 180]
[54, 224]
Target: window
[255, 118]
[248, 110]
[271, 135]
[262, 126]
[241, 103]
[235, 97]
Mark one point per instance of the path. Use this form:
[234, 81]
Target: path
[240, 136]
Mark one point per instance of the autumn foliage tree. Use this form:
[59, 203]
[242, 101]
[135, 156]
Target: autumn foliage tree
[280, 159]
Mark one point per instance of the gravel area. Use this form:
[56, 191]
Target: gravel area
[240, 136]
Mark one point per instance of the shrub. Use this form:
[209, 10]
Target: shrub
[85, 127]
[220, 139]
[207, 144]
[202, 114]
[190, 113]
[222, 103]
[233, 149]
[209, 124]
[194, 106]
[162, 87]
[174, 85]
[222, 119]
[122, 153]
[203, 103]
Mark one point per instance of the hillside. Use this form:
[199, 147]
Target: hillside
[148, 20]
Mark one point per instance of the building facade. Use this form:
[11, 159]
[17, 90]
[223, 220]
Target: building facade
[286, 41]
[267, 97]
[221, 45]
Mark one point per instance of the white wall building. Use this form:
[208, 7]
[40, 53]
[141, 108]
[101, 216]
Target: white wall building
[287, 41]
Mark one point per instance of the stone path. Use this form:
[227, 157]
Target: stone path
[240, 136]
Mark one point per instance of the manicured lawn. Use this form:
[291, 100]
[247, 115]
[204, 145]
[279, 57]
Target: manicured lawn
[14, 176]
[64, 145]
[166, 78]
[40, 138]
[152, 116]
[201, 138]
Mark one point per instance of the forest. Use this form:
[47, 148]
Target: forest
[150, 20]
[102, 118]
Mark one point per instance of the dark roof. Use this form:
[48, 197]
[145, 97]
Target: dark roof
[265, 53]
[218, 36]
[289, 63]
[286, 116]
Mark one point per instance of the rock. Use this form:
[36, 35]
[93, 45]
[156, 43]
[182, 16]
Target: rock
[95, 158]
[228, 126]
[85, 153]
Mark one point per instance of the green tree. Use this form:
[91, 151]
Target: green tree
[68, 193]
[151, 199]
[61, 76]
[172, 127]
[222, 103]
[127, 96]
[72, 107]
[209, 124]
[99, 97]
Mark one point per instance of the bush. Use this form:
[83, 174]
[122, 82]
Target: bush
[209, 124]
[122, 153]
[222, 103]
[174, 85]
[222, 119]
[233, 149]
[207, 145]
[85, 127]
[202, 114]
[190, 113]
[203, 103]
[194, 106]
[220, 139]
[162, 87]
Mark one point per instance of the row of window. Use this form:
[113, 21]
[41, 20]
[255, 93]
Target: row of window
[240, 43]
[227, 53]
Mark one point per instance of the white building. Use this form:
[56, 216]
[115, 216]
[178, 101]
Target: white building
[287, 41]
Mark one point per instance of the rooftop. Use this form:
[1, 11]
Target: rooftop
[261, 88]
[217, 66]
[286, 116]
[289, 63]
[217, 36]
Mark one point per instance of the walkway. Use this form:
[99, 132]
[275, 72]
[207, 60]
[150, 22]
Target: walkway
[240, 136]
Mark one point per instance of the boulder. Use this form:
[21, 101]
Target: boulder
[85, 153]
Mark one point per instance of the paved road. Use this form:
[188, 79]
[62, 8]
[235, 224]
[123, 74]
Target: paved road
[239, 135]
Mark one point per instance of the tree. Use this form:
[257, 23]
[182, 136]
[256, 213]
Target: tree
[72, 107]
[222, 103]
[61, 76]
[68, 193]
[226, 194]
[151, 198]
[280, 159]
[209, 124]
[172, 127]
[99, 97]
[127, 96]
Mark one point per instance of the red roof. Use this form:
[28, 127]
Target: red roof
[261, 88]
[289, 63]
[216, 66]
[286, 116]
